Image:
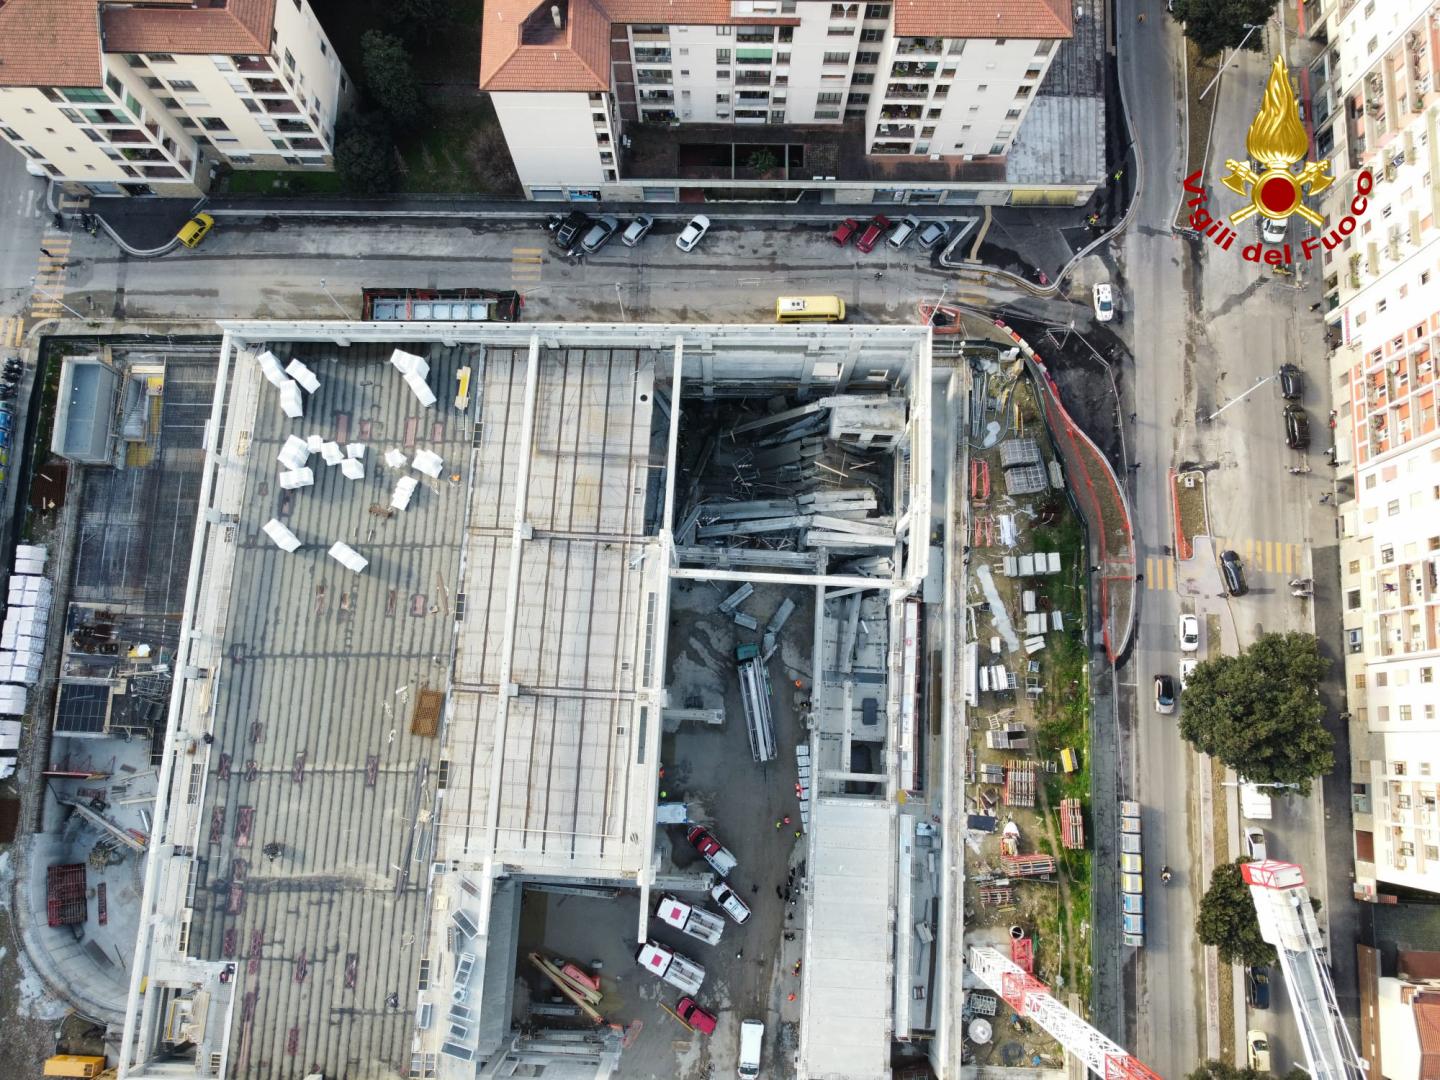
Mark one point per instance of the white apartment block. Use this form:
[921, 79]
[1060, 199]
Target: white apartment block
[1376, 107]
[755, 98]
[121, 98]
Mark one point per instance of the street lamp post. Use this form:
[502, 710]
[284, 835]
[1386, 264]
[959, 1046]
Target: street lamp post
[1250, 28]
[1239, 398]
[337, 303]
[52, 296]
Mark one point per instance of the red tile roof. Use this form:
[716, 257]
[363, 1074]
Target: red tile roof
[49, 43]
[577, 60]
[987, 19]
[1427, 1028]
[241, 26]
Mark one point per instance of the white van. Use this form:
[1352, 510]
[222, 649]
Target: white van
[752, 1034]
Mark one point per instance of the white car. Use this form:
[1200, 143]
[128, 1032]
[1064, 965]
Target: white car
[1189, 633]
[692, 233]
[1104, 302]
[1255, 843]
[725, 896]
[1186, 667]
[905, 228]
[1273, 230]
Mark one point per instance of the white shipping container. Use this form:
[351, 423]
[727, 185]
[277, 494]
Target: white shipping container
[348, 557]
[284, 539]
[291, 403]
[428, 462]
[302, 375]
[295, 453]
[297, 478]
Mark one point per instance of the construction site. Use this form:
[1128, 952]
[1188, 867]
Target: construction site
[637, 698]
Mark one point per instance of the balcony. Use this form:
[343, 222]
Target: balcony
[647, 76]
[650, 33]
[280, 107]
[267, 86]
[901, 112]
[658, 96]
[895, 131]
[919, 46]
[296, 127]
[127, 135]
[913, 70]
[907, 90]
[652, 56]
[890, 148]
[247, 64]
[755, 34]
[752, 78]
[658, 116]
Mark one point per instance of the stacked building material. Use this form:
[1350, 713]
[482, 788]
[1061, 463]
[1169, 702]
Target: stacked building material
[1072, 824]
[27, 619]
[65, 894]
[1020, 783]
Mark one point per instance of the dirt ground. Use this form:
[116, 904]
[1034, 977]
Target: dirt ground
[1198, 74]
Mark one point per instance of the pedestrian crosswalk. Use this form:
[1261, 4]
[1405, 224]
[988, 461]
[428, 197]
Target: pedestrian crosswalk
[12, 332]
[1259, 557]
[48, 293]
[526, 263]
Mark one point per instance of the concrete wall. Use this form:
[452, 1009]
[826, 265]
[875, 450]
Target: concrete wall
[551, 137]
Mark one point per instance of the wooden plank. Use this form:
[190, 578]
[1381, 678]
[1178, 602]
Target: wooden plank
[425, 718]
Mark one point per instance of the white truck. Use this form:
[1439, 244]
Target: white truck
[674, 968]
[688, 919]
[1254, 803]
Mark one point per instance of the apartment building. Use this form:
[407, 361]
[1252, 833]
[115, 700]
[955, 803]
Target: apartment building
[636, 99]
[144, 98]
[1376, 107]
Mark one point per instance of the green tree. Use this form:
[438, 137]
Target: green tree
[390, 77]
[419, 20]
[1215, 25]
[1227, 919]
[365, 154]
[1259, 712]
[1219, 1070]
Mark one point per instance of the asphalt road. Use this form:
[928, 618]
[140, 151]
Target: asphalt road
[1206, 326]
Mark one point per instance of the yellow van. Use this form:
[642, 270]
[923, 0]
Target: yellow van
[195, 230]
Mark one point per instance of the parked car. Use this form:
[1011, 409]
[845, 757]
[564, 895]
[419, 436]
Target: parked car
[932, 234]
[1255, 842]
[1164, 695]
[1257, 987]
[873, 231]
[636, 230]
[725, 896]
[694, 1017]
[1104, 299]
[715, 853]
[1189, 633]
[1272, 230]
[600, 233]
[570, 229]
[195, 230]
[693, 233]
[1292, 382]
[845, 232]
[1297, 428]
[1233, 571]
[1259, 1050]
[904, 232]
[1187, 666]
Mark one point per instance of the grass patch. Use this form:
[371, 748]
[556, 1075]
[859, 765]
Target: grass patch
[1192, 523]
[280, 182]
[461, 151]
[1064, 715]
